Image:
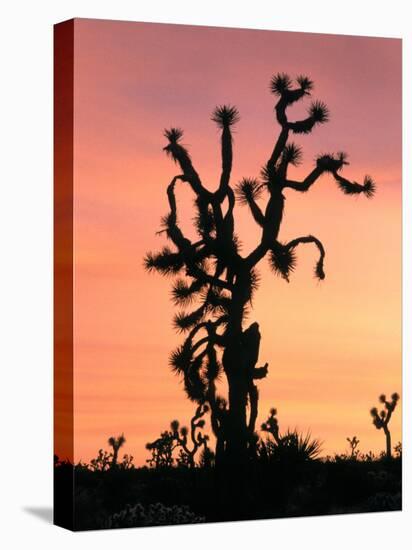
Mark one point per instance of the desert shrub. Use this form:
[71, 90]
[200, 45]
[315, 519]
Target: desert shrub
[292, 447]
[152, 514]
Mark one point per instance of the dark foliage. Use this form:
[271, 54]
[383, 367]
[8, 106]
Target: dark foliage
[225, 116]
[180, 445]
[276, 488]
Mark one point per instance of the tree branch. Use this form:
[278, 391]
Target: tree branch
[279, 146]
[307, 182]
[182, 157]
[198, 273]
[353, 188]
[225, 116]
[320, 274]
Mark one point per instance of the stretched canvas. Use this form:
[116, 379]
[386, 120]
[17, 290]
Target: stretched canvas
[227, 274]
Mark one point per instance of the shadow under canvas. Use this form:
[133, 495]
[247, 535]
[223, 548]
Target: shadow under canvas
[44, 513]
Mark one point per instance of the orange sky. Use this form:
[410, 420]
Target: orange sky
[332, 347]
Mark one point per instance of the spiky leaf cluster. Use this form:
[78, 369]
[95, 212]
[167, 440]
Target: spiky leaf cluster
[292, 154]
[319, 112]
[280, 83]
[305, 83]
[248, 189]
[225, 116]
[165, 262]
[353, 188]
[331, 163]
[173, 135]
[369, 187]
[282, 261]
[184, 293]
[185, 321]
[180, 358]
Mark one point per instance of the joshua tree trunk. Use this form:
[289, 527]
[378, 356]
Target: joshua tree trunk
[234, 367]
[237, 439]
[388, 443]
[115, 455]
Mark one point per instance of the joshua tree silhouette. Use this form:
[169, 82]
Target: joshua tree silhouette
[381, 419]
[116, 443]
[353, 443]
[214, 272]
[272, 426]
[198, 440]
[162, 448]
[102, 462]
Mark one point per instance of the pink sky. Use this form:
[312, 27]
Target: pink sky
[332, 347]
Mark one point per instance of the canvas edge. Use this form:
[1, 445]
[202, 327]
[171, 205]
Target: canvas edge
[63, 87]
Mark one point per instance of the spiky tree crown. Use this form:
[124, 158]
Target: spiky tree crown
[225, 116]
[173, 135]
[117, 442]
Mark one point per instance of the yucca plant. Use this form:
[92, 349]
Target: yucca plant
[290, 447]
[381, 419]
[215, 282]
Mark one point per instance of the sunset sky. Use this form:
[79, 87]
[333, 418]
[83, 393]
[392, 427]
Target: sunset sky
[332, 347]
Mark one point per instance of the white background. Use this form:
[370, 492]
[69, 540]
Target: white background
[26, 272]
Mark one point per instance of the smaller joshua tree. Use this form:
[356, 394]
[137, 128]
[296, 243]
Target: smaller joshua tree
[272, 425]
[116, 443]
[381, 419]
[398, 450]
[108, 461]
[127, 462]
[162, 449]
[177, 437]
[102, 462]
[198, 440]
[353, 443]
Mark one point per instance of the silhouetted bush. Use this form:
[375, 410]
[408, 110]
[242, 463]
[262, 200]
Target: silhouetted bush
[278, 485]
[186, 442]
[151, 515]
